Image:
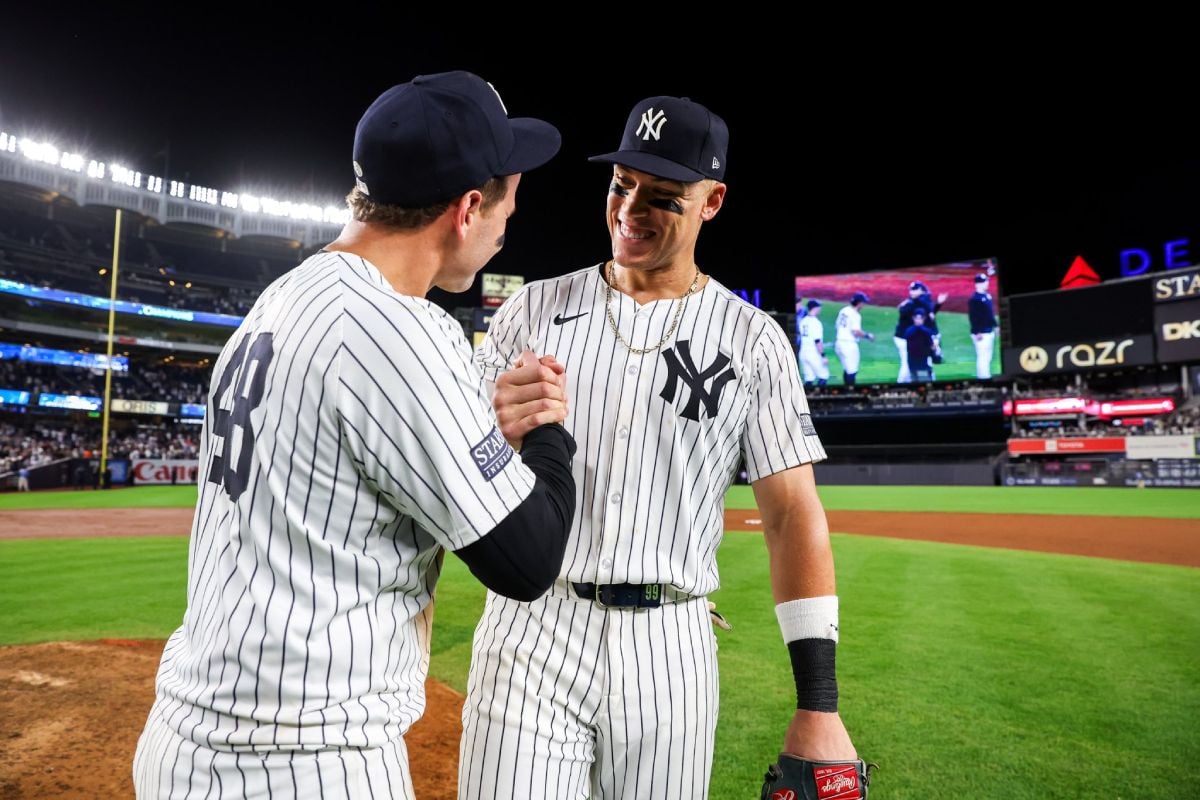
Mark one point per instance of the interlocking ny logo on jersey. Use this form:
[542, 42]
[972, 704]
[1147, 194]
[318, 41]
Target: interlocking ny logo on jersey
[681, 368]
[651, 123]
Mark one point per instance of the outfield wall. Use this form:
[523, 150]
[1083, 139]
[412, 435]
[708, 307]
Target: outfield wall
[906, 474]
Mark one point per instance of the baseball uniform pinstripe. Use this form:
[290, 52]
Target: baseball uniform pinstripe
[570, 700]
[343, 445]
[813, 365]
[845, 344]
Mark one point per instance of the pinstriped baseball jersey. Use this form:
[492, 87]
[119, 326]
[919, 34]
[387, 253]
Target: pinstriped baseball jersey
[660, 435]
[811, 332]
[849, 319]
[347, 436]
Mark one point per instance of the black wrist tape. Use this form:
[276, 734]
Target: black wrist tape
[814, 666]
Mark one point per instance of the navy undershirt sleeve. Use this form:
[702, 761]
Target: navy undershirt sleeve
[521, 557]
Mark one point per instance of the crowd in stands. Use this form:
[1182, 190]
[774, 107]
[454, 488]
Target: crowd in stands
[161, 382]
[1185, 420]
[44, 443]
[55, 254]
[136, 287]
[871, 399]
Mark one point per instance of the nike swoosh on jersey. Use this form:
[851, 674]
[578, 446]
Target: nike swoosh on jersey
[559, 319]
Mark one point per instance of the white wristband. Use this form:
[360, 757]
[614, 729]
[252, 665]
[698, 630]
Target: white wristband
[809, 618]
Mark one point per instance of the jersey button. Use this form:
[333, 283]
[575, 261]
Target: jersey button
[623, 433]
[606, 563]
[632, 369]
[615, 497]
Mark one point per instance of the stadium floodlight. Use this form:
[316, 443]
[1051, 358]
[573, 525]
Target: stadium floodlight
[71, 161]
[39, 151]
[125, 176]
[47, 153]
[202, 194]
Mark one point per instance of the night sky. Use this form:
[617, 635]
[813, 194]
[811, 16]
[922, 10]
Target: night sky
[888, 153]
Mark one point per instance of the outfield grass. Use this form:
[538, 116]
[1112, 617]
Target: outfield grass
[965, 671]
[138, 497]
[982, 673]
[1099, 501]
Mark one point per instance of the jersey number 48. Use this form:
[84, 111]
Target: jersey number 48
[247, 372]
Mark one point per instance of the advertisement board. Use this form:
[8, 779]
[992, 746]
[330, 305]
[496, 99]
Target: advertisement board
[1177, 331]
[1079, 355]
[163, 470]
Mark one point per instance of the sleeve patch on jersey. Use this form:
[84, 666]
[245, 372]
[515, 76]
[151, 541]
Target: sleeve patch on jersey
[806, 425]
[492, 454]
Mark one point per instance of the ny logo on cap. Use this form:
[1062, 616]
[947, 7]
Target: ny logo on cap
[651, 123]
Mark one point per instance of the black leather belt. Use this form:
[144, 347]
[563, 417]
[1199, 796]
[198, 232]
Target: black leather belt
[629, 595]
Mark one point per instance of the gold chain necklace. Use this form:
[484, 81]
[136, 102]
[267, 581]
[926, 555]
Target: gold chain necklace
[637, 351]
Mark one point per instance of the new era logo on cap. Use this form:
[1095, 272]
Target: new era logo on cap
[672, 138]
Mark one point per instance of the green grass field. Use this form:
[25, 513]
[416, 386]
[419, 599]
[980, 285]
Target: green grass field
[1100, 501]
[880, 362]
[965, 671]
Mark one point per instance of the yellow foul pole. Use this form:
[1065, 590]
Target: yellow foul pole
[112, 308]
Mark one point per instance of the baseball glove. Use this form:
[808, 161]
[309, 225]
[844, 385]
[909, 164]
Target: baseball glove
[795, 778]
[938, 358]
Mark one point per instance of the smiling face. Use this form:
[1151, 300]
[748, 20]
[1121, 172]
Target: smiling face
[654, 222]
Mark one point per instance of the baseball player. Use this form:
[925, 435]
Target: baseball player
[982, 316]
[348, 441]
[920, 347]
[606, 687]
[918, 297]
[849, 331]
[813, 361]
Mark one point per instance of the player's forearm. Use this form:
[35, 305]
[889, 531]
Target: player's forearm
[801, 560]
[796, 534]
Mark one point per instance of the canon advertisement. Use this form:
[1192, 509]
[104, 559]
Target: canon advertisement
[1097, 354]
[163, 470]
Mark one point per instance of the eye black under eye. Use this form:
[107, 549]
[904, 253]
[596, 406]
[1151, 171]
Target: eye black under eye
[668, 204]
[618, 189]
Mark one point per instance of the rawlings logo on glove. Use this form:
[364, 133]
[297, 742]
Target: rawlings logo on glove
[795, 778]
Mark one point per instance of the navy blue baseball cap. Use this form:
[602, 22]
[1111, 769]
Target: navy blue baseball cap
[673, 138]
[431, 139]
[859, 297]
[811, 304]
[915, 285]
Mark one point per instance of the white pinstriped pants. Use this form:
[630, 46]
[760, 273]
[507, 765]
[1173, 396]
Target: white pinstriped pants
[570, 701]
[167, 765]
